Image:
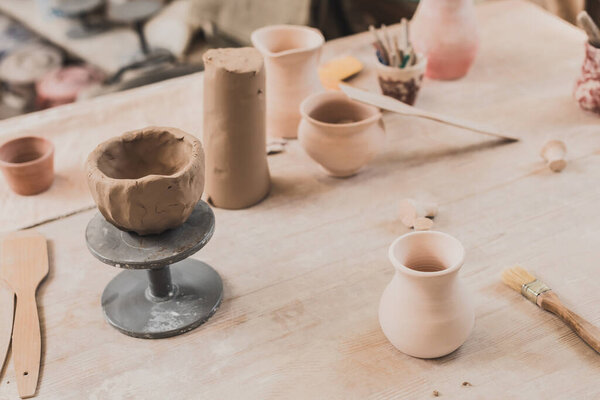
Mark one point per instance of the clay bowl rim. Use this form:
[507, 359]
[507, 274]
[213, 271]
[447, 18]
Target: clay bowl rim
[409, 271]
[48, 154]
[326, 96]
[259, 46]
[94, 156]
[421, 64]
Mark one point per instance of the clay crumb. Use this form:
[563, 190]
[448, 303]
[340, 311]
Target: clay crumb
[465, 383]
[436, 393]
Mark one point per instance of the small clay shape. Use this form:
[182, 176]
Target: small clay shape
[422, 224]
[417, 215]
[276, 146]
[147, 180]
[554, 153]
[430, 208]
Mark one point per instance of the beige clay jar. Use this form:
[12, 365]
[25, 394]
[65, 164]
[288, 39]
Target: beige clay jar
[340, 134]
[425, 310]
[291, 54]
[148, 180]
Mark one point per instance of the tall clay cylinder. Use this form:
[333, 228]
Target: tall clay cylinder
[237, 173]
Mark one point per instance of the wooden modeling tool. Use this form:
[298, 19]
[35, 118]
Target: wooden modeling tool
[24, 264]
[554, 153]
[391, 104]
[589, 26]
[7, 308]
[333, 72]
[538, 293]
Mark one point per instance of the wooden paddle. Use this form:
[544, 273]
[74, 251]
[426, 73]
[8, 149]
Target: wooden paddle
[24, 264]
[7, 309]
[393, 105]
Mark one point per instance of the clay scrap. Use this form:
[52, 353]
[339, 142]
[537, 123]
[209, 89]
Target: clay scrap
[417, 215]
[554, 153]
[147, 180]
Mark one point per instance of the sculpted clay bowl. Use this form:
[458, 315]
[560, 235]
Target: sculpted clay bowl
[148, 180]
[340, 134]
[28, 164]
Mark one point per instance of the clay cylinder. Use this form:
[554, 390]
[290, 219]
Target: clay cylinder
[237, 173]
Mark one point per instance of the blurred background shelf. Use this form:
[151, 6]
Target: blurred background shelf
[108, 51]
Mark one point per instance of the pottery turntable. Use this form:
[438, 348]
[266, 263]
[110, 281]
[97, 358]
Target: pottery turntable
[152, 219]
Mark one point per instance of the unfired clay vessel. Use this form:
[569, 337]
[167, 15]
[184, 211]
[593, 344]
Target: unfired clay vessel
[237, 173]
[425, 311]
[28, 164]
[148, 180]
[291, 59]
[340, 134]
[446, 32]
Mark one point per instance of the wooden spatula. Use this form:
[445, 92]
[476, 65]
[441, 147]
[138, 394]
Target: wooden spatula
[23, 265]
[7, 308]
[393, 105]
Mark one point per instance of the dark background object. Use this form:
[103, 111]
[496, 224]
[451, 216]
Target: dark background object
[336, 18]
[593, 8]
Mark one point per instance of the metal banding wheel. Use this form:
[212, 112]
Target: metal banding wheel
[158, 302]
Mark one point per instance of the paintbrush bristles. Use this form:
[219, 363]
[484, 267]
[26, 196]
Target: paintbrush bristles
[516, 277]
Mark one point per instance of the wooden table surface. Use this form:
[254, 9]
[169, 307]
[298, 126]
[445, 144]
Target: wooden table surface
[304, 270]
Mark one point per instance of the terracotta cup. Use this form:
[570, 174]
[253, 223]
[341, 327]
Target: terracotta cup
[587, 87]
[425, 310]
[402, 83]
[28, 164]
[340, 134]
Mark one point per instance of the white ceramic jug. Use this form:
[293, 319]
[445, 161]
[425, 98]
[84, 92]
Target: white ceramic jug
[291, 56]
[425, 311]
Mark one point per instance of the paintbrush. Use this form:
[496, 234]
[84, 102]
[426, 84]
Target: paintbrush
[589, 26]
[538, 293]
[380, 45]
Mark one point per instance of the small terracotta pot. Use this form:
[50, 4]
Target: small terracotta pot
[28, 164]
[402, 83]
[148, 180]
[587, 87]
[425, 311]
[340, 134]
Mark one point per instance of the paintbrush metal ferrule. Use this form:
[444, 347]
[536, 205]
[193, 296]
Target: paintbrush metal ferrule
[533, 289]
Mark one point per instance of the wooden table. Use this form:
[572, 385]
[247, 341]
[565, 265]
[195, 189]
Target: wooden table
[304, 269]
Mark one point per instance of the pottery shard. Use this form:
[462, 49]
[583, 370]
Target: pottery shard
[148, 180]
[417, 215]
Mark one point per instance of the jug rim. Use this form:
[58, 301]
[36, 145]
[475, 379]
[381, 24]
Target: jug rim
[264, 50]
[409, 271]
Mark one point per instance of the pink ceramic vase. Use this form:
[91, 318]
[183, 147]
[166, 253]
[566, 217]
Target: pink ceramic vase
[446, 32]
[425, 311]
[587, 87]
